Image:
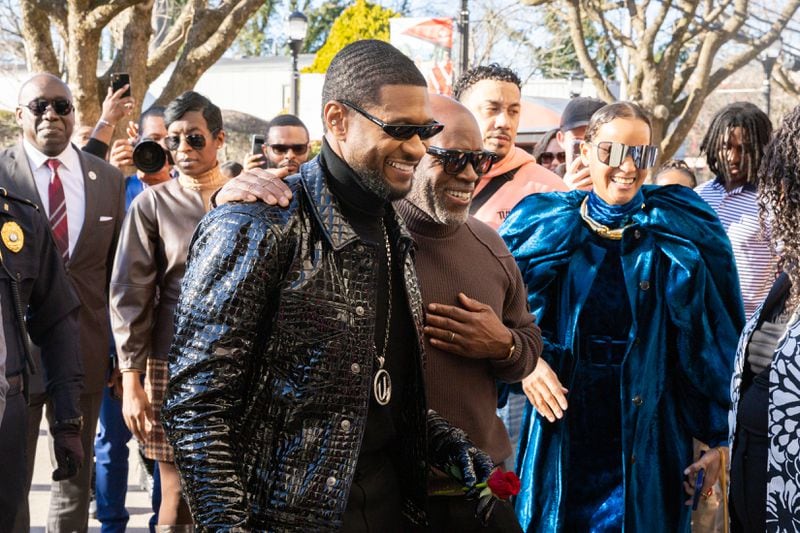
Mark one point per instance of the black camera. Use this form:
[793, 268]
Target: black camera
[150, 157]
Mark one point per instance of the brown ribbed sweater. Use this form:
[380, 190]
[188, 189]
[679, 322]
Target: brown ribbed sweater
[473, 259]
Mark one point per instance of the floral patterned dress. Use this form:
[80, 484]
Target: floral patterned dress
[783, 476]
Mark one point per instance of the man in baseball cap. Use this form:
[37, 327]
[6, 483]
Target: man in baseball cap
[573, 125]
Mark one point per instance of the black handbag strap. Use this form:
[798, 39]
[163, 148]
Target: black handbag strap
[492, 187]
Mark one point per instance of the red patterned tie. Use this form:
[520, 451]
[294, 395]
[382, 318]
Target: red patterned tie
[58, 210]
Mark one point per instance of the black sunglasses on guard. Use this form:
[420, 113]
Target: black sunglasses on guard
[281, 149]
[401, 132]
[196, 140]
[39, 106]
[455, 161]
[614, 153]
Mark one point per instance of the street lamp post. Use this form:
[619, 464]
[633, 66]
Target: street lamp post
[575, 82]
[768, 58]
[463, 29]
[298, 25]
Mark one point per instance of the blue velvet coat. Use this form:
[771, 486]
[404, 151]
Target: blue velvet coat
[683, 291]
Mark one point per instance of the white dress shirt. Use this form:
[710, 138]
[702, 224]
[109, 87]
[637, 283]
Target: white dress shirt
[71, 175]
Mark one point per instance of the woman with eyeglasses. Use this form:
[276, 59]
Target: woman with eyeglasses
[145, 283]
[765, 460]
[637, 297]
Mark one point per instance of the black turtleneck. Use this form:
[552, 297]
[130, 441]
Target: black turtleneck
[364, 210]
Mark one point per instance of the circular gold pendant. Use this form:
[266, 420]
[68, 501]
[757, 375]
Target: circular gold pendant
[382, 387]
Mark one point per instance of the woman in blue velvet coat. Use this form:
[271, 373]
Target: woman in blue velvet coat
[637, 295]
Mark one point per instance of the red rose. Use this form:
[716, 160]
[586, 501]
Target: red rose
[503, 484]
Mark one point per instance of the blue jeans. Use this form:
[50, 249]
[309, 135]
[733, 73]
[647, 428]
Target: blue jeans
[111, 465]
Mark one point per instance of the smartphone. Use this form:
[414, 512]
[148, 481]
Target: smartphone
[257, 148]
[120, 80]
[698, 488]
[576, 148]
[574, 152]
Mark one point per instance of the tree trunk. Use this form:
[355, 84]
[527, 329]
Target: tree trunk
[39, 51]
[212, 33]
[131, 58]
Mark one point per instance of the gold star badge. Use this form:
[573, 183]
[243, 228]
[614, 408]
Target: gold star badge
[12, 236]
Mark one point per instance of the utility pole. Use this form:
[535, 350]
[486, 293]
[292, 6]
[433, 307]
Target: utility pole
[463, 29]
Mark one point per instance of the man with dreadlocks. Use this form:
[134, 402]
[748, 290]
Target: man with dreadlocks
[734, 146]
[766, 377]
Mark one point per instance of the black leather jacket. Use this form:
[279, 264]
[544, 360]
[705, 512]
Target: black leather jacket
[271, 366]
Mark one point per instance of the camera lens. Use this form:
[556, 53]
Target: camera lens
[149, 156]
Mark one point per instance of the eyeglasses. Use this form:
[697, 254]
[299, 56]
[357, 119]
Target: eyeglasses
[39, 106]
[195, 140]
[281, 149]
[545, 158]
[401, 132]
[455, 161]
[614, 153]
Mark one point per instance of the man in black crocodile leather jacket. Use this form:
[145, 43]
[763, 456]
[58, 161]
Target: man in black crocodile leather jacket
[289, 320]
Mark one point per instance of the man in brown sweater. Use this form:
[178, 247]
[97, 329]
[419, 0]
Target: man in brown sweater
[478, 327]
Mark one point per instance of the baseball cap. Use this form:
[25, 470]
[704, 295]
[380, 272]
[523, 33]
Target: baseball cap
[578, 112]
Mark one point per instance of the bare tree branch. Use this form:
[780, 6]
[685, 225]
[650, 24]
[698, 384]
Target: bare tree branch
[212, 32]
[588, 66]
[100, 16]
[165, 53]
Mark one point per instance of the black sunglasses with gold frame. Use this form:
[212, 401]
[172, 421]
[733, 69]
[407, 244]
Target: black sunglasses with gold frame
[401, 132]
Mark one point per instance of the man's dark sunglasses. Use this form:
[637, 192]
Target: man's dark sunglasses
[196, 140]
[39, 106]
[455, 161]
[545, 158]
[401, 132]
[614, 153]
[281, 149]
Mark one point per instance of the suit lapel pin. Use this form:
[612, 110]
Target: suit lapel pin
[92, 175]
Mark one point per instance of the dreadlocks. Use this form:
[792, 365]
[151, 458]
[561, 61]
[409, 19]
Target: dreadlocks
[756, 130]
[779, 196]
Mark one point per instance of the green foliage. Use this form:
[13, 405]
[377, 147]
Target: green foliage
[557, 57]
[253, 40]
[320, 22]
[362, 20]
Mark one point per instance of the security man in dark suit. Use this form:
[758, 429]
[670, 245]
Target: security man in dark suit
[37, 300]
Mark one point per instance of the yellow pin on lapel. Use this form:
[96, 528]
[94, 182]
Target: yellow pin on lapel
[12, 236]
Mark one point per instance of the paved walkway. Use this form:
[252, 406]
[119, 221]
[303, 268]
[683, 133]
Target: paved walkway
[138, 501]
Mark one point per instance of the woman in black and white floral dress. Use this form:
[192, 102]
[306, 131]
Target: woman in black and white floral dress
[765, 419]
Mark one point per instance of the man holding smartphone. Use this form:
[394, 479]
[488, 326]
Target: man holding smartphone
[285, 149]
[570, 136]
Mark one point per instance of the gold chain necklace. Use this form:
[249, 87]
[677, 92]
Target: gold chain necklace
[601, 229]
